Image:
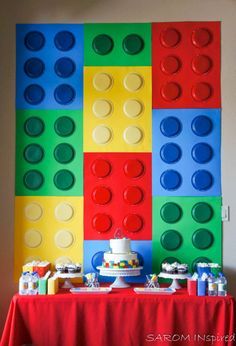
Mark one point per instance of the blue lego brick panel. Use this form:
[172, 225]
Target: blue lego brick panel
[49, 69]
[93, 255]
[186, 152]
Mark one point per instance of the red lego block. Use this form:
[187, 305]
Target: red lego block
[117, 194]
[186, 65]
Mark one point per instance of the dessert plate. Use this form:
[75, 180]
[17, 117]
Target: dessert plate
[146, 290]
[96, 290]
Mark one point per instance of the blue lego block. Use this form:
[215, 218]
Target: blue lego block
[186, 152]
[49, 69]
[93, 253]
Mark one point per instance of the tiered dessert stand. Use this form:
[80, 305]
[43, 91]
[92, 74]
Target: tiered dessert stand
[175, 277]
[120, 275]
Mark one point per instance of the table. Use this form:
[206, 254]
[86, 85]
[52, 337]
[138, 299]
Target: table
[121, 318]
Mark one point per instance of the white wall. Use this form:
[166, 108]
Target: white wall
[80, 11]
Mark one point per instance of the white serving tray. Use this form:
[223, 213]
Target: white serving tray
[146, 290]
[96, 290]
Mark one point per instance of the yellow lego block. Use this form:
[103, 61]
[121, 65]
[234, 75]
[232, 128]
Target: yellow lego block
[48, 228]
[117, 109]
[53, 285]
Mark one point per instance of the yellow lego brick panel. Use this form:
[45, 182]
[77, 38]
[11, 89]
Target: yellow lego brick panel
[48, 228]
[117, 109]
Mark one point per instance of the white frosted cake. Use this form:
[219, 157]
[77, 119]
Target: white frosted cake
[120, 256]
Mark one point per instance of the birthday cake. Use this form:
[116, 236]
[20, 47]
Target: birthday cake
[120, 256]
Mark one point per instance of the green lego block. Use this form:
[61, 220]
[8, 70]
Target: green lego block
[49, 153]
[186, 229]
[123, 44]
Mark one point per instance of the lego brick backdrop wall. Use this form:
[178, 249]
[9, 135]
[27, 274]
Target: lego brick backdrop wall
[122, 11]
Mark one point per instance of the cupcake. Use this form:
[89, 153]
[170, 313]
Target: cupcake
[163, 267]
[78, 267]
[170, 268]
[182, 268]
[72, 268]
[60, 268]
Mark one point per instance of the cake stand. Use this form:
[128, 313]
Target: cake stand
[120, 275]
[68, 277]
[175, 277]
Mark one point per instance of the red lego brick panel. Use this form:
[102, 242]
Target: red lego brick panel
[186, 65]
[117, 194]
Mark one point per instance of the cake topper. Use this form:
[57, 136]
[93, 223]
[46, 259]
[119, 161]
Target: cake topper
[118, 233]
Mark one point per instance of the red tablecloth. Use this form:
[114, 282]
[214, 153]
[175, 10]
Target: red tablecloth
[121, 318]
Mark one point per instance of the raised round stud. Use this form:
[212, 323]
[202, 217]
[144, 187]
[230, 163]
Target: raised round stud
[133, 223]
[132, 135]
[171, 212]
[33, 180]
[64, 67]
[201, 64]
[133, 82]
[33, 211]
[170, 180]
[64, 153]
[64, 180]
[63, 239]
[102, 108]
[201, 37]
[101, 195]
[171, 91]
[101, 168]
[102, 134]
[171, 240]
[132, 108]
[170, 153]
[102, 44]
[34, 40]
[134, 168]
[101, 223]
[170, 127]
[170, 64]
[64, 212]
[33, 153]
[34, 94]
[202, 212]
[170, 37]
[202, 125]
[64, 40]
[34, 126]
[34, 67]
[102, 81]
[32, 238]
[202, 180]
[202, 239]
[133, 44]
[64, 94]
[64, 126]
[133, 195]
[202, 91]
[202, 152]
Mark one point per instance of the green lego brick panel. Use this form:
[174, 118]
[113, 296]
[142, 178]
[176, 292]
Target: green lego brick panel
[124, 44]
[187, 230]
[49, 153]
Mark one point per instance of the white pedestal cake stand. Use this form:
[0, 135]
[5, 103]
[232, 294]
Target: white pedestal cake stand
[120, 275]
[175, 277]
[67, 277]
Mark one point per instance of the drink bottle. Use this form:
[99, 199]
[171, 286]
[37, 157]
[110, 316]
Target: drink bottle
[212, 285]
[222, 285]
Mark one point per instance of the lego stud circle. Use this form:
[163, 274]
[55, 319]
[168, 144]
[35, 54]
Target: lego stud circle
[202, 91]
[63, 260]
[64, 94]
[64, 40]
[202, 152]
[202, 125]
[102, 81]
[170, 37]
[32, 238]
[64, 180]
[133, 168]
[63, 239]
[102, 108]
[171, 91]
[171, 127]
[33, 180]
[202, 180]
[34, 94]
[101, 195]
[64, 126]
[133, 82]
[201, 64]
[101, 168]
[170, 153]
[202, 239]
[33, 211]
[133, 135]
[170, 64]
[133, 195]
[133, 44]
[133, 223]
[64, 212]
[102, 134]
[102, 44]
[101, 223]
[202, 212]
[201, 37]
[33, 153]
[97, 260]
[171, 212]
[133, 108]
[34, 126]
[64, 153]
[34, 40]
[64, 67]
[171, 240]
[34, 67]
[170, 180]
